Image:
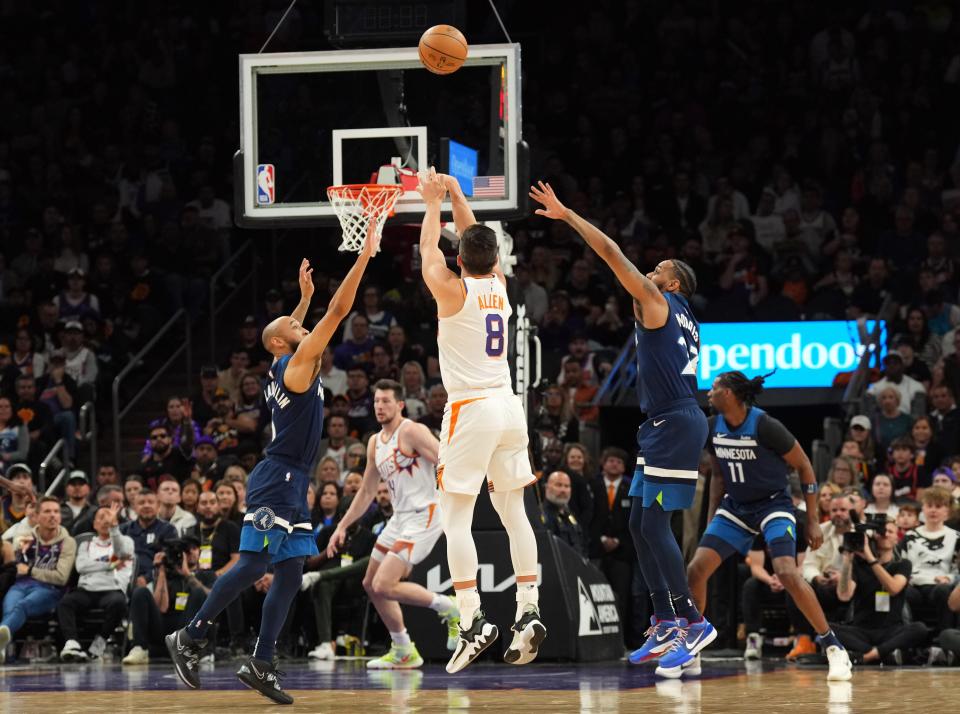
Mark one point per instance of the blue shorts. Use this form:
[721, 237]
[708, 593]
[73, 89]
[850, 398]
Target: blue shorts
[668, 458]
[280, 487]
[280, 544]
[735, 526]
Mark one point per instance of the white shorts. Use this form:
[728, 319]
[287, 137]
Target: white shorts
[484, 437]
[410, 535]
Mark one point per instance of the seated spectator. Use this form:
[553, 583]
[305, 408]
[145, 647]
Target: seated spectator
[107, 474]
[375, 320]
[821, 567]
[229, 379]
[149, 535]
[360, 400]
[8, 372]
[825, 495]
[858, 503]
[132, 486]
[861, 431]
[337, 441]
[202, 403]
[107, 496]
[903, 470]
[207, 467]
[59, 392]
[842, 473]
[946, 478]
[355, 350]
[555, 418]
[851, 450]
[227, 428]
[190, 495]
[23, 527]
[45, 558]
[354, 460]
[555, 512]
[29, 361]
[77, 506]
[338, 578]
[164, 458]
[228, 501]
[324, 511]
[578, 465]
[912, 367]
[413, 380]
[35, 415]
[893, 376]
[334, 378]
[75, 301]
[327, 471]
[179, 423]
[892, 423]
[351, 484]
[908, 518]
[881, 492]
[14, 504]
[436, 403]
[926, 345]
[236, 475]
[578, 351]
[167, 603]
[376, 519]
[81, 362]
[169, 510]
[398, 348]
[249, 340]
[876, 585]
[932, 549]
[251, 407]
[14, 436]
[946, 417]
[105, 566]
[380, 365]
[928, 453]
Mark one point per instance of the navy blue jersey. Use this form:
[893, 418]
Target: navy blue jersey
[667, 357]
[751, 455]
[297, 419]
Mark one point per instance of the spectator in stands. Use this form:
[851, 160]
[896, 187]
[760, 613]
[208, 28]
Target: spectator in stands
[8, 372]
[361, 400]
[325, 509]
[351, 484]
[380, 365]
[77, 506]
[105, 566]
[375, 321]
[912, 367]
[578, 351]
[179, 423]
[858, 503]
[167, 603]
[610, 541]
[75, 301]
[377, 518]
[14, 503]
[337, 442]
[355, 350]
[169, 510]
[821, 567]
[556, 515]
[164, 458]
[928, 454]
[228, 501]
[555, 418]
[207, 468]
[908, 517]
[860, 431]
[81, 362]
[45, 558]
[578, 466]
[354, 460]
[29, 362]
[534, 295]
[842, 473]
[107, 474]
[132, 485]
[14, 436]
[894, 376]
[397, 347]
[252, 408]
[892, 422]
[827, 492]
[202, 404]
[35, 415]
[108, 496]
[229, 379]
[925, 344]
[258, 358]
[334, 378]
[903, 469]
[236, 475]
[876, 585]
[21, 528]
[881, 492]
[190, 494]
[149, 534]
[328, 471]
[946, 418]
[932, 549]
[436, 403]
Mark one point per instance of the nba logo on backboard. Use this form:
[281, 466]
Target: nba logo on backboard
[265, 186]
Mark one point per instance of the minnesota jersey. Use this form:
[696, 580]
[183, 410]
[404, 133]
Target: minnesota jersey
[412, 479]
[473, 342]
[667, 357]
[751, 455]
[297, 419]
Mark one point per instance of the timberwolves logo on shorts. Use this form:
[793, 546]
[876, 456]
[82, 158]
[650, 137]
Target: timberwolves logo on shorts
[264, 518]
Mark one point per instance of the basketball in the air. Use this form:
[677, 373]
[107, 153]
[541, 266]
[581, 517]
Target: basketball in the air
[443, 49]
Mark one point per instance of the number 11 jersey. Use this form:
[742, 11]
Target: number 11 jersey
[473, 342]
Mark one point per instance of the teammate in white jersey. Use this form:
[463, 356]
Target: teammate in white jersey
[483, 434]
[404, 455]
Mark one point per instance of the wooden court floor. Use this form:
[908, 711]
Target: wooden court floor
[345, 688]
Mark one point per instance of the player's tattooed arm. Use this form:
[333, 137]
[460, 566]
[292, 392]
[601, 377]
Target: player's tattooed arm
[649, 304]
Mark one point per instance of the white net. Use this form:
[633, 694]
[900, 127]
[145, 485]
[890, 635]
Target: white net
[358, 204]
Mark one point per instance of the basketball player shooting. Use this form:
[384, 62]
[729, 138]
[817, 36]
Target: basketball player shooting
[277, 528]
[670, 440]
[484, 431]
[404, 455]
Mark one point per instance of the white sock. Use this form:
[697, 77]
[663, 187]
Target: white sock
[440, 603]
[401, 639]
[527, 594]
[468, 602]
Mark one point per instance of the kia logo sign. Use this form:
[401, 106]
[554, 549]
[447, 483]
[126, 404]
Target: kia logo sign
[486, 579]
[804, 354]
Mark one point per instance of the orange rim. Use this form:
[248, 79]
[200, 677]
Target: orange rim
[356, 191]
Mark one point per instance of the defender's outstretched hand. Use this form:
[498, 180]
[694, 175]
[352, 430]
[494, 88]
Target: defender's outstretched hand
[552, 208]
[306, 280]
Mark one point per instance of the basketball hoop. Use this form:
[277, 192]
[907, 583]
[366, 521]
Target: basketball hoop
[359, 203]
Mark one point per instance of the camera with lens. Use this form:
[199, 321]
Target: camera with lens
[173, 552]
[853, 541]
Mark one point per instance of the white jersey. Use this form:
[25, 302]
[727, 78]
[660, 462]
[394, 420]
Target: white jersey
[473, 342]
[412, 479]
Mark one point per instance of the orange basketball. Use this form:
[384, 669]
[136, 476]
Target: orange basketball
[443, 49]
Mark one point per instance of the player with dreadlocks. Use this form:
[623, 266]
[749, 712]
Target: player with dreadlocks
[752, 455]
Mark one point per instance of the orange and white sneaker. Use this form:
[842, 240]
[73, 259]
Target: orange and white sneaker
[804, 645]
[405, 657]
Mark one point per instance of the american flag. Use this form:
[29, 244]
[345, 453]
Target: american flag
[489, 186]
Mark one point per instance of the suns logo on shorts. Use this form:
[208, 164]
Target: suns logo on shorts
[264, 518]
[404, 462]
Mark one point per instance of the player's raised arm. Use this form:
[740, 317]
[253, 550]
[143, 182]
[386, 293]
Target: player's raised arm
[653, 305]
[306, 291]
[442, 282]
[303, 364]
[361, 499]
[463, 216]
